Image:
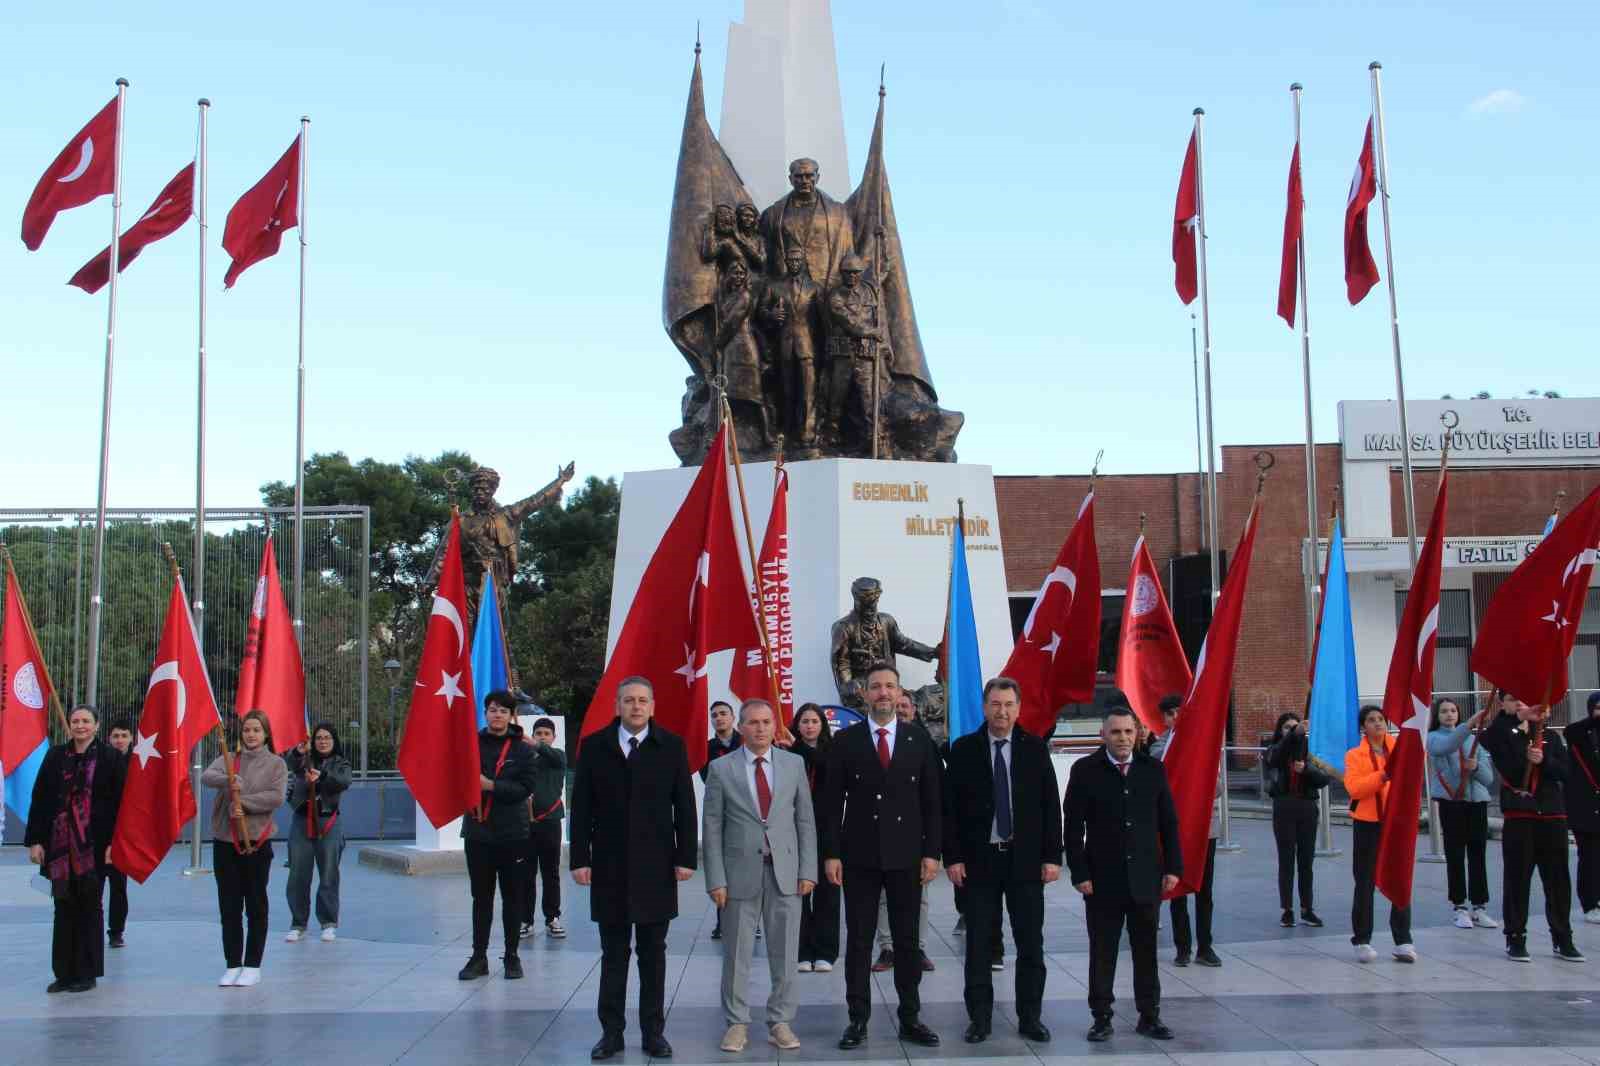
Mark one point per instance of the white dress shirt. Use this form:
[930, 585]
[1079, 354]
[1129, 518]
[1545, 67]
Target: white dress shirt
[623, 736]
[1005, 757]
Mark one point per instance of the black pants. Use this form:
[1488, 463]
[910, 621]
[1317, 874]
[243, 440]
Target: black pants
[1465, 828]
[543, 857]
[1364, 863]
[117, 915]
[1106, 918]
[1528, 844]
[241, 894]
[819, 924]
[650, 939]
[487, 863]
[1024, 898]
[1588, 870]
[1294, 827]
[1181, 938]
[77, 950]
[862, 886]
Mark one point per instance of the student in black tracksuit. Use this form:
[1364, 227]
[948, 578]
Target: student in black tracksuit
[1583, 805]
[1535, 831]
[547, 809]
[495, 835]
[1293, 782]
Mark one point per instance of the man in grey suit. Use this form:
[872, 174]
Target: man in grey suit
[760, 845]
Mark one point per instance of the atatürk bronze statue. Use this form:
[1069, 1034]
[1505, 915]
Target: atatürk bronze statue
[832, 351]
[489, 536]
[866, 636]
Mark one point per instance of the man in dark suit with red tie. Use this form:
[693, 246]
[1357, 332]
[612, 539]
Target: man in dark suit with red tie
[1121, 831]
[881, 833]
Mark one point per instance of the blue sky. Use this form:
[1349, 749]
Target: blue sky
[489, 189]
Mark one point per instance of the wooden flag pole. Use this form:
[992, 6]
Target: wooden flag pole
[27, 622]
[782, 731]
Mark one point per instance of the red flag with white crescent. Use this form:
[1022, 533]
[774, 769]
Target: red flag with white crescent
[748, 677]
[1360, 269]
[172, 208]
[85, 170]
[1289, 266]
[1186, 225]
[256, 223]
[179, 709]
[1058, 651]
[1407, 697]
[439, 750]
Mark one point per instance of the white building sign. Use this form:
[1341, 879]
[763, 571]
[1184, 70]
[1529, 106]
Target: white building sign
[1526, 432]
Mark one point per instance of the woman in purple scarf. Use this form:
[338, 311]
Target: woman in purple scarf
[70, 821]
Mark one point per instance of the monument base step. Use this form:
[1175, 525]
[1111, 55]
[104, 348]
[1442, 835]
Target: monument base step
[413, 861]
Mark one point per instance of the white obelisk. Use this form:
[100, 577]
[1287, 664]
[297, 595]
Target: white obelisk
[780, 97]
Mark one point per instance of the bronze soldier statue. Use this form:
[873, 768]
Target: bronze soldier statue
[866, 636]
[854, 332]
[489, 536]
[791, 308]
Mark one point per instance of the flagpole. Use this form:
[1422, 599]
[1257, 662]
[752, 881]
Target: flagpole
[1305, 374]
[300, 415]
[773, 691]
[196, 864]
[1326, 849]
[1199, 455]
[1394, 314]
[97, 580]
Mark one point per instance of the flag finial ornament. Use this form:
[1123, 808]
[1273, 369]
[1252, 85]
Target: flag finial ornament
[123, 82]
[1199, 111]
[1296, 87]
[1374, 65]
[1264, 461]
[203, 102]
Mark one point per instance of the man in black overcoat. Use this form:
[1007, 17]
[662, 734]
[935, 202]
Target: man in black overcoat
[1002, 833]
[1122, 848]
[880, 832]
[633, 839]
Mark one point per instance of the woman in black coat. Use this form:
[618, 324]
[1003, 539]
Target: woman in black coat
[71, 818]
[1293, 781]
[819, 911]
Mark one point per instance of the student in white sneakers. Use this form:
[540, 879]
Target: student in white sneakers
[1460, 775]
[319, 774]
[1366, 778]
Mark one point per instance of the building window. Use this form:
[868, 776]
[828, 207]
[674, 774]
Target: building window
[1452, 671]
[1585, 661]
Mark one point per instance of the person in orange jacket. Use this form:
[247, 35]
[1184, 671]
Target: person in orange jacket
[1366, 778]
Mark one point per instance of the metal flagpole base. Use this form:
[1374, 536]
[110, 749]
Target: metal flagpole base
[197, 871]
[1228, 845]
[1325, 848]
[1435, 844]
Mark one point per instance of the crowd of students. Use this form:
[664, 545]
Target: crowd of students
[1546, 786]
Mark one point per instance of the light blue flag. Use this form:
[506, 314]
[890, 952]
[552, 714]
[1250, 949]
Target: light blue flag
[963, 676]
[1334, 697]
[1549, 524]
[490, 670]
[20, 778]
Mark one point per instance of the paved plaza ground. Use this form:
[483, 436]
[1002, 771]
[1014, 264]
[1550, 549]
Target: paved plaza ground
[387, 992]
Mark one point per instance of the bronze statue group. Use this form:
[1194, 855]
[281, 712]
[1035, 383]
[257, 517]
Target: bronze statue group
[855, 820]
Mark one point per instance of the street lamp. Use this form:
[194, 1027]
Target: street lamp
[392, 668]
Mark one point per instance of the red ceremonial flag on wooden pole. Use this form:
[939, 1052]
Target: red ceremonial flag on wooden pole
[271, 677]
[1194, 752]
[1055, 657]
[749, 677]
[439, 749]
[1150, 659]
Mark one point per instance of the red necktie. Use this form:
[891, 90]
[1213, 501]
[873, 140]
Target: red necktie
[1123, 767]
[763, 790]
[883, 748]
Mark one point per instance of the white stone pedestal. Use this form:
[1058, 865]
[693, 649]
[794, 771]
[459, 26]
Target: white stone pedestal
[848, 518]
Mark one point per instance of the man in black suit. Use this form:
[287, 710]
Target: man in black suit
[1122, 848]
[880, 832]
[633, 839]
[1002, 838]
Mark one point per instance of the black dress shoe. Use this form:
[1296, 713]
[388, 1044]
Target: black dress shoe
[86, 985]
[885, 961]
[657, 1047]
[1034, 1031]
[116, 940]
[855, 1034]
[1153, 1028]
[977, 1032]
[1182, 958]
[917, 1033]
[513, 968]
[57, 986]
[1207, 957]
[610, 1044]
[716, 934]
[1100, 1031]
[477, 966]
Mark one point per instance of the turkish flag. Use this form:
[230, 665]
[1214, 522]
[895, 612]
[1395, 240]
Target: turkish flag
[1406, 700]
[179, 709]
[1186, 226]
[692, 601]
[85, 170]
[1194, 750]
[1531, 623]
[271, 677]
[748, 678]
[1150, 659]
[1054, 659]
[255, 224]
[25, 688]
[1293, 220]
[439, 751]
[174, 204]
[1360, 271]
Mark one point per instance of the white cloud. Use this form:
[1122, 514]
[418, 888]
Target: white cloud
[1499, 102]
